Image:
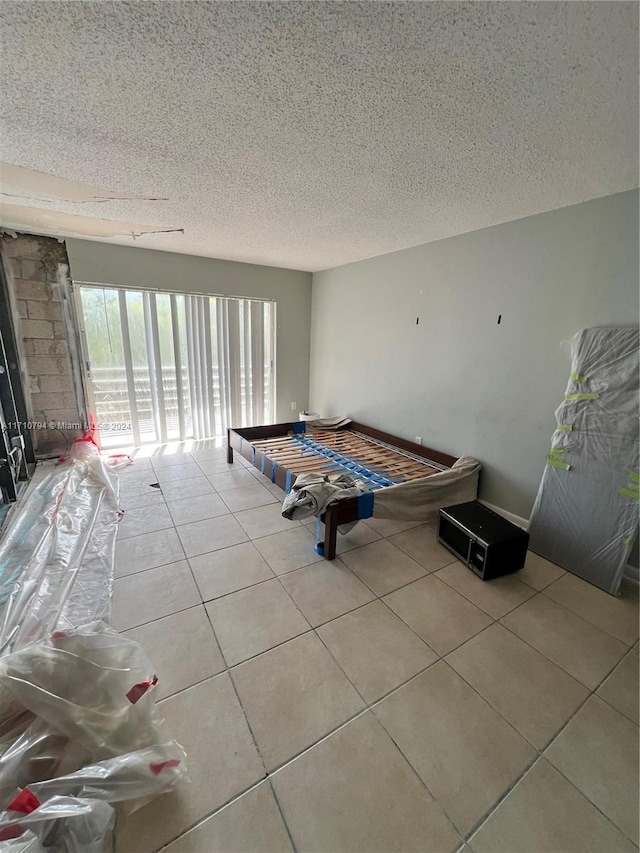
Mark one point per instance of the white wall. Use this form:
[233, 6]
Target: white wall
[458, 379]
[126, 266]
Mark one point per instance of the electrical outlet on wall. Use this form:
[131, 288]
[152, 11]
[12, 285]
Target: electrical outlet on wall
[418, 439]
[294, 406]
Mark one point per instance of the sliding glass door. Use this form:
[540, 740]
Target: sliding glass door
[171, 366]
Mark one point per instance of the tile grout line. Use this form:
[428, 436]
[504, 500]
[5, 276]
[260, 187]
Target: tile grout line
[371, 706]
[282, 817]
[511, 631]
[540, 754]
[579, 615]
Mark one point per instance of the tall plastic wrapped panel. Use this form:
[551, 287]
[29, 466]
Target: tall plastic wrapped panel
[585, 517]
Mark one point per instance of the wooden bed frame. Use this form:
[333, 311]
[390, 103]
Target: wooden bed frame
[267, 449]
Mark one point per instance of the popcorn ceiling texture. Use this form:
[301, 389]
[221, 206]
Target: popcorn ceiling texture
[309, 135]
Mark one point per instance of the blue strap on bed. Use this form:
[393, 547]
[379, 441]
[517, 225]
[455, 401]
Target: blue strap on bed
[288, 483]
[319, 546]
[365, 505]
[348, 463]
[299, 427]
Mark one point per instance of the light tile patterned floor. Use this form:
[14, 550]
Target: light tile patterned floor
[387, 701]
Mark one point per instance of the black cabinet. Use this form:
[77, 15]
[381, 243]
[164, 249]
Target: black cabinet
[485, 542]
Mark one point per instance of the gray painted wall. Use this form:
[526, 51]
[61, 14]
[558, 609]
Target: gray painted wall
[126, 266]
[458, 379]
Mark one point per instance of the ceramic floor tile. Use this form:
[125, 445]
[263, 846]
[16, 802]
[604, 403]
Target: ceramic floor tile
[150, 497]
[531, 692]
[265, 520]
[147, 552]
[255, 619]
[199, 537]
[182, 648]
[239, 460]
[545, 813]
[231, 480]
[208, 722]
[191, 488]
[422, 545]
[575, 645]
[621, 689]
[361, 535]
[389, 527]
[467, 755]
[175, 473]
[197, 508]
[298, 682]
[170, 460]
[496, 597]
[138, 463]
[325, 590]
[211, 467]
[250, 823]
[324, 803]
[210, 448]
[279, 493]
[248, 497]
[259, 476]
[443, 618]
[598, 752]
[228, 570]
[375, 649]
[538, 572]
[135, 488]
[144, 519]
[289, 550]
[152, 594]
[213, 453]
[127, 477]
[382, 566]
[617, 616]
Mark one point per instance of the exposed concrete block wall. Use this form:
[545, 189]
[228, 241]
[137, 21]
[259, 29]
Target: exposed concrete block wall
[37, 269]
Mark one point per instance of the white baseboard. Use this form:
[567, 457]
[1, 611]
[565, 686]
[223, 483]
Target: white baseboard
[631, 573]
[510, 516]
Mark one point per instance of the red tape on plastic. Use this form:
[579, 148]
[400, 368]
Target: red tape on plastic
[159, 766]
[14, 830]
[26, 802]
[138, 690]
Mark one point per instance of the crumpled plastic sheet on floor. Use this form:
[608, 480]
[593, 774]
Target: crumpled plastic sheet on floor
[79, 728]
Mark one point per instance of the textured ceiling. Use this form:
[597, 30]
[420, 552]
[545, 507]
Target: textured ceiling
[311, 134]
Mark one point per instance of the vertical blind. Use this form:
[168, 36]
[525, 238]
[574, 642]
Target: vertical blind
[167, 366]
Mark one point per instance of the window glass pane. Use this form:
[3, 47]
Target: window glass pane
[141, 379]
[104, 341]
[239, 351]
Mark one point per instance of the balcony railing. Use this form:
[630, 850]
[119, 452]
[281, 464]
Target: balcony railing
[111, 395]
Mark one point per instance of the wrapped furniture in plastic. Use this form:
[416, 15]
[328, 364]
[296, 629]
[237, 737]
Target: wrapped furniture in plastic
[585, 517]
[79, 728]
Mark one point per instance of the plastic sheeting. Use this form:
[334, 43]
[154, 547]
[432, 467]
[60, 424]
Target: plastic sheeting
[585, 516]
[79, 728]
[56, 561]
[417, 499]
